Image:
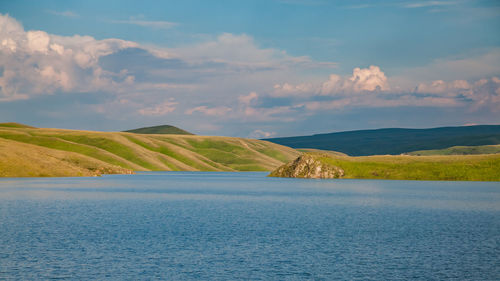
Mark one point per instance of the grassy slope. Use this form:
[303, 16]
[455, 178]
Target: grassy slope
[26, 160]
[163, 129]
[131, 151]
[460, 168]
[460, 150]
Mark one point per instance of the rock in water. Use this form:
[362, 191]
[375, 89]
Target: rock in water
[307, 166]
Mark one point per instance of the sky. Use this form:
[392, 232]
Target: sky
[250, 68]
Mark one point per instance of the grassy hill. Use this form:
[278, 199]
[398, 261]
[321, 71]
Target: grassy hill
[460, 150]
[26, 160]
[163, 129]
[400, 167]
[57, 152]
[396, 141]
[14, 125]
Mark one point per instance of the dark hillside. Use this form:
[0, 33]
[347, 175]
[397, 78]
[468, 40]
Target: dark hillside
[396, 140]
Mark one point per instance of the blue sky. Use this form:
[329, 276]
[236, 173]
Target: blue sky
[250, 68]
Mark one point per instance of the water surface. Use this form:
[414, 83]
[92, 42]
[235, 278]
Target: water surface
[226, 226]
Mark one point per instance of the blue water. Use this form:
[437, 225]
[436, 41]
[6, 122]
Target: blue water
[227, 226]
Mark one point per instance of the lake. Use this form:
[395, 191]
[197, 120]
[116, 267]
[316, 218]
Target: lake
[226, 226]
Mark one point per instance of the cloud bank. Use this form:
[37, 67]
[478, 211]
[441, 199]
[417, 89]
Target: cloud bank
[225, 79]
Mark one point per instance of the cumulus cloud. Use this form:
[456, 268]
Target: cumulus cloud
[35, 62]
[369, 87]
[369, 79]
[362, 79]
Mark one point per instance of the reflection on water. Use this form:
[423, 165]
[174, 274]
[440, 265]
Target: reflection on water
[196, 225]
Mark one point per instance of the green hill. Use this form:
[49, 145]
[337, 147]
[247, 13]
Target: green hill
[14, 125]
[58, 152]
[396, 141]
[394, 167]
[460, 150]
[162, 129]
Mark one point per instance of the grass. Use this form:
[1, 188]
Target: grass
[111, 146]
[460, 150]
[272, 153]
[76, 153]
[456, 168]
[25, 160]
[334, 153]
[172, 153]
[60, 144]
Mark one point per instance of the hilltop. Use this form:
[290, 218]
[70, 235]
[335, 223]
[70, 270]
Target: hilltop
[56, 152]
[15, 125]
[162, 129]
[396, 141]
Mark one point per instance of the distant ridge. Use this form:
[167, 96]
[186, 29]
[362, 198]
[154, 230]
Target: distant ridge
[396, 140]
[162, 129]
[460, 150]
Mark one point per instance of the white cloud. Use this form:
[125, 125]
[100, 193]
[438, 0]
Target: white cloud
[160, 109]
[259, 134]
[368, 79]
[363, 79]
[286, 89]
[241, 53]
[247, 99]
[9, 44]
[442, 87]
[35, 62]
[206, 79]
[211, 111]
[38, 41]
[229, 48]
[482, 93]
[50, 64]
[369, 87]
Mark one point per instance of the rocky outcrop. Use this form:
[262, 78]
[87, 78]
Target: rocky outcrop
[308, 166]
